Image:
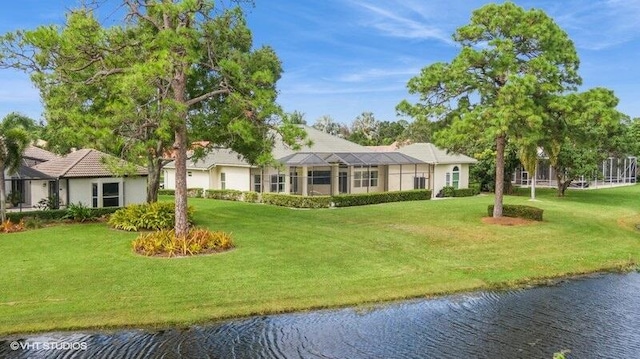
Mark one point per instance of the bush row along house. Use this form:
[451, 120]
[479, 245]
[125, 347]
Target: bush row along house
[47, 180]
[330, 166]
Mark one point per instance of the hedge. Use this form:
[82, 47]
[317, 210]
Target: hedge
[57, 213]
[289, 200]
[225, 194]
[449, 191]
[361, 199]
[167, 192]
[519, 211]
[195, 192]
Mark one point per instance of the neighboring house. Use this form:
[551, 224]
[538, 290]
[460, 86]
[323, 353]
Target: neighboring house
[449, 169]
[79, 177]
[612, 171]
[331, 165]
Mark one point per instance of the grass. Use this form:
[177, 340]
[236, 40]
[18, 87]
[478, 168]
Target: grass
[86, 275]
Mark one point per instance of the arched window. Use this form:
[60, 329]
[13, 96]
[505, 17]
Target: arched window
[455, 177]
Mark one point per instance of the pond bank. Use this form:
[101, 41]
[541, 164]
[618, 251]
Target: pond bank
[592, 316]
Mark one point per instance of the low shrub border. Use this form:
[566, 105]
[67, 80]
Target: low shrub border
[167, 192]
[361, 199]
[295, 201]
[519, 211]
[57, 214]
[225, 194]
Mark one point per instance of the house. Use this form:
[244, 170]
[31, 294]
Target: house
[613, 171]
[449, 169]
[331, 165]
[79, 177]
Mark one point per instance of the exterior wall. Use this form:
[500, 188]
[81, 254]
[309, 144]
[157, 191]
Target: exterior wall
[367, 189]
[440, 175]
[131, 190]
[404, 180]
[237, 178]
[135, 190]
[170, 178]
[196, 179]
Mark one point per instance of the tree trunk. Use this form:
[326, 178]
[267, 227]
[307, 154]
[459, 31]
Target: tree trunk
[559, 184]
[533, 184]
[499, 189]
[154, 167]
[180, 147]
[3, 196]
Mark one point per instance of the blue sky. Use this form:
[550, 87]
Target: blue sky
[345, 57]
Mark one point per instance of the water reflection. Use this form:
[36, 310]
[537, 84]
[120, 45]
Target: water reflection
[596, 317]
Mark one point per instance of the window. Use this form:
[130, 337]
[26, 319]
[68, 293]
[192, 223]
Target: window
[94, 194]
[447, 179]
[365, 176]
[319, 177]
[257, 183]
[223, 180]
[189, 174]
[456, 177]
[277, 183]
[419, 183]
[111, 194]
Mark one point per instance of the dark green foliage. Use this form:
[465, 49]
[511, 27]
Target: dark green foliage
[347, 200]
[448, 191]
[79, 212]
[465, 192]
[519, 211]
[57, 214]
[286, 200]
[167, 192]
[156, 216]
[226, 194]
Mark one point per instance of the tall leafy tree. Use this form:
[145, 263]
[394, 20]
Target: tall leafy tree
[327, 124]
[14, 138]
[172, 68]
[365, 129]
[582, 129]
[511, 60]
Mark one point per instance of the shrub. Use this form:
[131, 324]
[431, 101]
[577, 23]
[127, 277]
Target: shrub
[519, 211]
[253, 197]
[155, 216]
[45, 204]
[55, 214]
[198, 241]
[465, 192]
[346, 200]
[79, 212]
[295, 201]
[10, 227]
[167, 192]
[226, 194]
[448, 191]
[195, 192]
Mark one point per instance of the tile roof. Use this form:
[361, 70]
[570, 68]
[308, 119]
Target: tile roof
[322, 143]
[81, 163]
[39, 154]
[429, 153]
[216, 156]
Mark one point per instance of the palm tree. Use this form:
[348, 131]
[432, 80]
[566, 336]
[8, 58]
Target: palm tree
[14, 138]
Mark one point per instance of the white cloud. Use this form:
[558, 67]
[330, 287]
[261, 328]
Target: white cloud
[403, 20]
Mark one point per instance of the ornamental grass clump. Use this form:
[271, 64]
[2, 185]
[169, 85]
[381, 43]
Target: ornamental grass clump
[165, 243]
[153, 216]
[11, 227]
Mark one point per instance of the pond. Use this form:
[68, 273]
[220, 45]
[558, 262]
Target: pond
[594, 317]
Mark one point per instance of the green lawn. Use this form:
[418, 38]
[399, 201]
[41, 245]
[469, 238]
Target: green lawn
[86, 276]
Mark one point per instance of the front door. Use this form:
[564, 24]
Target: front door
[53, 194]
[342, 182]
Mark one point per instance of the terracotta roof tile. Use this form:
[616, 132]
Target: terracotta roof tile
[81, 163]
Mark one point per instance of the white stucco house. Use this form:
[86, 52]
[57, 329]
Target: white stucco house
[79, 177]
[331, 165]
